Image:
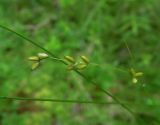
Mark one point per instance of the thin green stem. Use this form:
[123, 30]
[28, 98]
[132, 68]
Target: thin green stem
[34, 43]
[55, 100]
[129, 50]
[130, 53]
[65, 101]
[81, 74]
[106, 92]
[102, 65]
[57, 59]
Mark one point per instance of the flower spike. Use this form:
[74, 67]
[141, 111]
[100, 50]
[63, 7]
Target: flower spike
[135, 75]
[37, 60]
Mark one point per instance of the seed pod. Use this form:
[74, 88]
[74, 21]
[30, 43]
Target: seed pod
[70, 67]
[70, 59]
[81, 66]
[134, 80]
[139, 74]
[35, 65]
[42, 55]
[85, 59]
[33, 58]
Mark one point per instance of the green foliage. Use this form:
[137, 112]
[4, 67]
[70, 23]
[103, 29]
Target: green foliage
[97, 29]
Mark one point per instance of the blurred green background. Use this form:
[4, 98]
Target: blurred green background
[97, 29]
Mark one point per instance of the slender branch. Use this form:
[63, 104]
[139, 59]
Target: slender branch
[57, 59]
[103, 65]
[34, 43]
[54, 100]
[129, 51]
[65, 101]
[106, 92]
[81, 74]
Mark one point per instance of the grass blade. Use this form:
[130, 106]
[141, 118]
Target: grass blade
[55, 100]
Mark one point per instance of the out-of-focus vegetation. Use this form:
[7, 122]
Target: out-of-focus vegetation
[97, 29]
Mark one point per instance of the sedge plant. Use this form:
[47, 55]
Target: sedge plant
[76, 66]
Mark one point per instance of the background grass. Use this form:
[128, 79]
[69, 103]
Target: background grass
[97, 29]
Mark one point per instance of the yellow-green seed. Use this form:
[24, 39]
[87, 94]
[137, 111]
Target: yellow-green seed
[70, 59]
[35, 65]
[85, 59]
[70, 67]
[42, 55]
[134, 80]
[33, 58]
[139, 74]
[81, 66]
